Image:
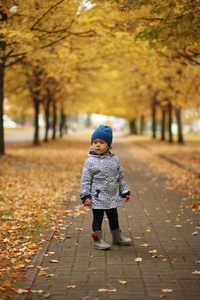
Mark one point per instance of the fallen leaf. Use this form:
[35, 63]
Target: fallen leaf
[42, 273]
[71, 286]
[31, 267]
[153, 251]
[48, 295]
[37, 291]
[145, 245]
[137, 238]
[122, 282]
[195, 233]
[50, 275]
[167, 290]
[79, 229]
[148, 229]
[54, 261]
[196, 272]
[163, 296]
[112, 290]
[102, 290]
[21, 291]
[138, 259]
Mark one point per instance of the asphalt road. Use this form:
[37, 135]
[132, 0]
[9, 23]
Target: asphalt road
[19, 137]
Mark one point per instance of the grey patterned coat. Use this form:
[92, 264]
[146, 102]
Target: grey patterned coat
[103, 181]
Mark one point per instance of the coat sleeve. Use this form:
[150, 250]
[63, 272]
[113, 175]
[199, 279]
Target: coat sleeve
[86, 181]
[123, 187]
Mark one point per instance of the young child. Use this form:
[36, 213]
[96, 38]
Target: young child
[102, 186]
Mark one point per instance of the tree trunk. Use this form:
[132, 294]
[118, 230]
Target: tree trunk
[170, 122]
[62, 121]
[154, 119]
[163, 124]
[54, 122]
[1, 108]
[47, 118]
[36, 134]
[133, 126]
[88, 121]
[142, 125]
[180, 133]
[66, 123]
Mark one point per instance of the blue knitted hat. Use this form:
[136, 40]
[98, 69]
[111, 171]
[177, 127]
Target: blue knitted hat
[103, 132]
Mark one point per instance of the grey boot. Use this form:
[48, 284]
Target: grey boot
[118, 239]
[98, 242]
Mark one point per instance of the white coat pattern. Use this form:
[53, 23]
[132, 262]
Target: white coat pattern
[103, 180]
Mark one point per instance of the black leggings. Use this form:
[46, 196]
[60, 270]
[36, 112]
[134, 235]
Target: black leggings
[98, 218]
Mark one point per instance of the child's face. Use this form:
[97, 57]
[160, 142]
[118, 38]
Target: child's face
[99, 146]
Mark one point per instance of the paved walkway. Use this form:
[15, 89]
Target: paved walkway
[164, 233]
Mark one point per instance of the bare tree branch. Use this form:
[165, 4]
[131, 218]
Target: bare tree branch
[15, 55]
[37, 22]
[14, 62]
[67, 31]
[53, 42]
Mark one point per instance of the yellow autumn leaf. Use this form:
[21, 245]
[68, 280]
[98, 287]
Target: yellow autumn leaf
[145, 245]
[148, 229]
[54, 261]
[122, 281]
[42, 273]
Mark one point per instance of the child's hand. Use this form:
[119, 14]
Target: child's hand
[128, 198]
[87, 202]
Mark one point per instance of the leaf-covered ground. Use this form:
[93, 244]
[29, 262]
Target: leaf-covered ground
[180, 179]
[188, 155]
[34, 181]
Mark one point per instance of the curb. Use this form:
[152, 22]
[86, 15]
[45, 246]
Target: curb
[169, 159]
[178, 164]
